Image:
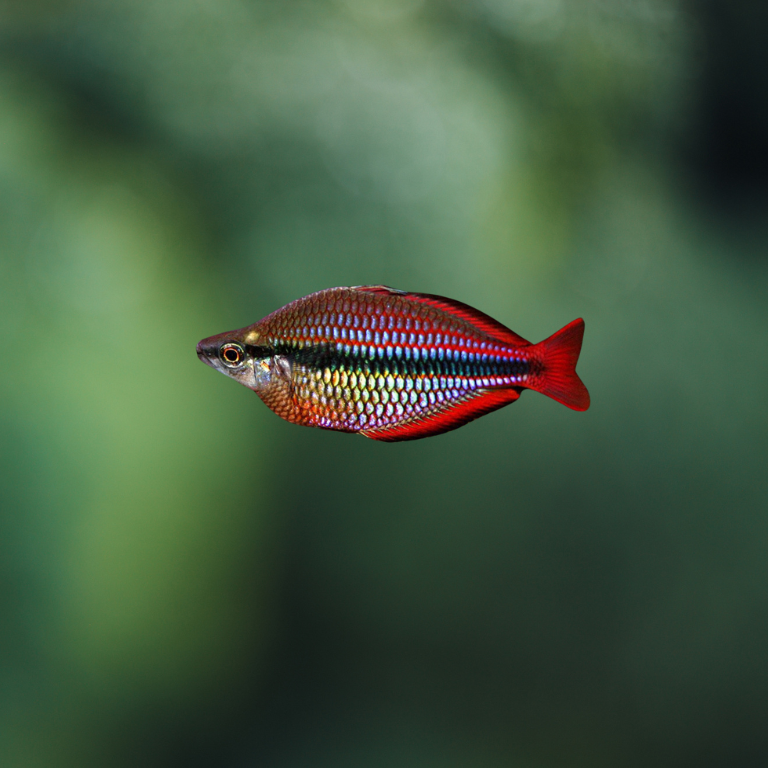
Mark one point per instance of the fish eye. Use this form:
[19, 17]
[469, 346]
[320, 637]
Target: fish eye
[231, 355]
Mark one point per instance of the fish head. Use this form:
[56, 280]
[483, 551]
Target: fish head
[241, 356]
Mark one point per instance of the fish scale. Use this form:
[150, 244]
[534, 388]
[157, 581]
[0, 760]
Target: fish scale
[392, 365]
[375, 379]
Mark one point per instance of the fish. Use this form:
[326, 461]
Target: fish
[392, 365]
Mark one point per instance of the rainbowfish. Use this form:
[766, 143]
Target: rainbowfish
[392, 365]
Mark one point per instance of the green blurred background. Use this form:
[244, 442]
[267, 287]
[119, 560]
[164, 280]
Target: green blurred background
[186, 580]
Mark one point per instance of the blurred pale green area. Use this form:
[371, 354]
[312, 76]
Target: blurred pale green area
[187, 580]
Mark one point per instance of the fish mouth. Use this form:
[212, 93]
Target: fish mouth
[206, 354]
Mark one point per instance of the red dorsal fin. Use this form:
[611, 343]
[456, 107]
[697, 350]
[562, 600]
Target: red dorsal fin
[475, 317]
[446, 417]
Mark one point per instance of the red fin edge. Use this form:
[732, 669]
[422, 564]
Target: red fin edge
[559, 355]
[473, 316]
[446, 418]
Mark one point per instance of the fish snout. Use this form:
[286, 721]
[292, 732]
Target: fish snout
[207, 352]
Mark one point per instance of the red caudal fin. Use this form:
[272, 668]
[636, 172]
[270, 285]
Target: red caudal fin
[559, 354]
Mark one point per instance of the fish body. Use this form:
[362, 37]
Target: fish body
[392, 365]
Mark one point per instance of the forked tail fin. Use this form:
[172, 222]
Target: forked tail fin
[559, 354]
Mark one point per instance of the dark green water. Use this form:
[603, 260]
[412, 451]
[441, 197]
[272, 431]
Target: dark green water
[186, 580]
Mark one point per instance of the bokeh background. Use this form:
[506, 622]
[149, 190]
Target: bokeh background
[186, 580]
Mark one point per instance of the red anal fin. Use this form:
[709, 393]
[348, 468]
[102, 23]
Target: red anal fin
[475, 317]
[446, 417]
